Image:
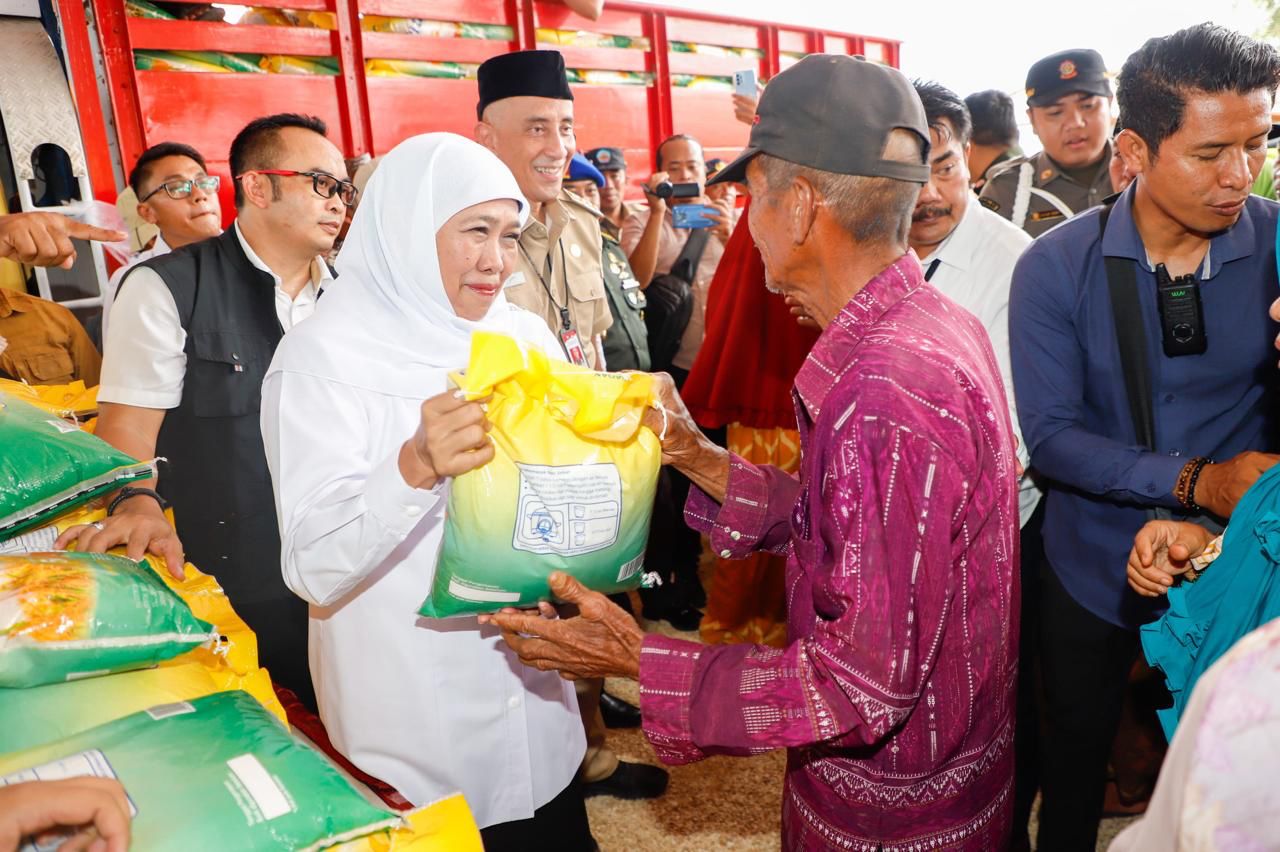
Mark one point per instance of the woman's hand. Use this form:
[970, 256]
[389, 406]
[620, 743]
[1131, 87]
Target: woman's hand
[1161, 551]
[452, 438]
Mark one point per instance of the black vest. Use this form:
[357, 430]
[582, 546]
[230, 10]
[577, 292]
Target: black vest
[216, 476]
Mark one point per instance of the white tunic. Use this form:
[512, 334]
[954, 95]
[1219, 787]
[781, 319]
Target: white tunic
[429, 706]
[975, 271]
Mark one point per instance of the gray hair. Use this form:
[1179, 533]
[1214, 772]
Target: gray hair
[870, 209]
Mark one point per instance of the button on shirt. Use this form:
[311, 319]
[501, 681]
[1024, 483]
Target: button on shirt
[975, 268]
[145, 359]
[1074, 408]
[895, 692]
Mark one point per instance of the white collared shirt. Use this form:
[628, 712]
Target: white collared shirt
[975, 270]
[431, 706]
[144, 359]
[158, 248]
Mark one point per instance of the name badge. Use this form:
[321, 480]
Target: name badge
[573, 347]
[630, 283]
[516, 279]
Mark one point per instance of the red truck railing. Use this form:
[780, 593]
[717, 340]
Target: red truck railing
[637, 95]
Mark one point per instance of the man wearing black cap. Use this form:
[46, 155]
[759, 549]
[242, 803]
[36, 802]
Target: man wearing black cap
[526, 118]
[895, 692]
[1070, 106]
[1144, 374]
[613, 165]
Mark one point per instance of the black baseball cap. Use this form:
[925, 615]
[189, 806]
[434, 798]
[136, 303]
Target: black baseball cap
[835, 113]
[607, 159]
[525, 73]
[1066, 73]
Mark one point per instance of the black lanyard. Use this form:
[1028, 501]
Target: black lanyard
[565, 322]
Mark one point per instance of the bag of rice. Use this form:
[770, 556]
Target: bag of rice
[570, 486]
[65, 616]
[51, 466]
[214, 773]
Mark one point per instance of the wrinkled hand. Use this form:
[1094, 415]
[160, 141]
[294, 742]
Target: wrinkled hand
[744, 108]
[543, 609]
[683, 437]
[601, 641]
[44, 239]
[798, 312]
[1161, 551]
[452, 438]
[97, 805]
[657, 206]
[1275, 312]
[1221, 485]
[141, 530]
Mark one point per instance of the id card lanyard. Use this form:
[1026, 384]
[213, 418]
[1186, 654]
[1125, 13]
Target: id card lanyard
[569, 338]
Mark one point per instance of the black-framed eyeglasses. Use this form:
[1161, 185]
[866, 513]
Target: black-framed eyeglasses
[325, 185]
[180, 189]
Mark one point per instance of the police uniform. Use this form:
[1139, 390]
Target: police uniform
[626, 346]
[1034, 192]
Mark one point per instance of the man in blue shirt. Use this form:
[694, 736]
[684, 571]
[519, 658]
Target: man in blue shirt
[1196, 110]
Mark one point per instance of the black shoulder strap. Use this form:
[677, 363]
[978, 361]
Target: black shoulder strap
[1131, 336]
[686, 265]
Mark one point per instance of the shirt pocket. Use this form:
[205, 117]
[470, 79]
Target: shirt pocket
[45, 365]
[225, 373]
[584, 272]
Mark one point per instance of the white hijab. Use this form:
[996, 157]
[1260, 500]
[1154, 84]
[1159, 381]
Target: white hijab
[386, 323]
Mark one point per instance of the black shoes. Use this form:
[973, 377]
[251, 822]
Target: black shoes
[630, 781]
[618, 713]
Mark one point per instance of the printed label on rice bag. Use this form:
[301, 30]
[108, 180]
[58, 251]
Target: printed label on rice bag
[92, 764]
[36, 541]
[568, 510]
[259, 795]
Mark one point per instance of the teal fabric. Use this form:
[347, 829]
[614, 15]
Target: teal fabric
[1237, 593]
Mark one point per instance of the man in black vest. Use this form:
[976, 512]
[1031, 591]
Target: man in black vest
[192, 335]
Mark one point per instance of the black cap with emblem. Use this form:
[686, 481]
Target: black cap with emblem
[835, 114]
[525, 73]
[1066, 73]
[607, 159]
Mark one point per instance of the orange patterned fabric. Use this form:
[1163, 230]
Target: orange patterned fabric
[746, 600]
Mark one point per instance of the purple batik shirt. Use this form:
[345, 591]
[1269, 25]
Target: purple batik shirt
[895, 694]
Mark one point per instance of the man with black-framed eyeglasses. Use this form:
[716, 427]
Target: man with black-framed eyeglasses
[192, 333]
[175, 193]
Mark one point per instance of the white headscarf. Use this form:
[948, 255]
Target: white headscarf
[386, 323]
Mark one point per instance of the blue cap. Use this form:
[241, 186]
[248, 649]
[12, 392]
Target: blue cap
[580, 168]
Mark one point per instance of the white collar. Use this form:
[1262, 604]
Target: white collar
[319, 269]
[958, 248]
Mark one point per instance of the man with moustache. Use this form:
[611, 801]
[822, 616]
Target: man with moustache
[613, 165]
[192, 335]
[1070, 106]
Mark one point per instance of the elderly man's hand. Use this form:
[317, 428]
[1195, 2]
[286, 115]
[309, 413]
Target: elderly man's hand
[1161, 551]
[681, 437]
[601, 641]
[44, 239]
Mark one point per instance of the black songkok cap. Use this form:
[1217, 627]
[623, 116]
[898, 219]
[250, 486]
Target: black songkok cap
[526, 73]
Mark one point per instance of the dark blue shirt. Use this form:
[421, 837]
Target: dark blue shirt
[1071, 394]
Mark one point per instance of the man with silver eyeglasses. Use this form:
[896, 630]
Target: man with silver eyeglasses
[175, 193]
[192, 333]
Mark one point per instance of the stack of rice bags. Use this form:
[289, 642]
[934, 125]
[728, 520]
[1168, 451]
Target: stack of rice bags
[112, 668]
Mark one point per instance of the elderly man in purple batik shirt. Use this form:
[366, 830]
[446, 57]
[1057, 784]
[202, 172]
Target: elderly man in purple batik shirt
[895, 694]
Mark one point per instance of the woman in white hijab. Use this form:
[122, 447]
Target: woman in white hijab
[362, 438]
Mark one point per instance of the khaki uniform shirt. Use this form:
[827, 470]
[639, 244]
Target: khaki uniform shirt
[569, 246]
[1001, 192]
[42, 342]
